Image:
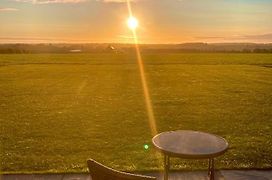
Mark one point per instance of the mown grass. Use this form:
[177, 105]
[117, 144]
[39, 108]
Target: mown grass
[57, 110]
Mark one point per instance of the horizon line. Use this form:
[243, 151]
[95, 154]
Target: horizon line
[123, 43]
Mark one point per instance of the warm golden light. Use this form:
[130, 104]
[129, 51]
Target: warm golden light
[132, 23]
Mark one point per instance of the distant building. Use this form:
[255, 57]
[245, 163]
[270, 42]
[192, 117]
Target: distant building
[111, 48]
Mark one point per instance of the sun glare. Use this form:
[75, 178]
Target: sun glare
[132, 23]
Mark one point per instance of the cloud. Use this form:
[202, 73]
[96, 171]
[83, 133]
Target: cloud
[73, 1]
[259, 37]
[132, 1]
[262, 38]
[209, 37]
[8, 9]
[115, 1]
[50, 1]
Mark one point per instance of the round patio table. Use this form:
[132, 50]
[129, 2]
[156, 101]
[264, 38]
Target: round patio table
[190, 145]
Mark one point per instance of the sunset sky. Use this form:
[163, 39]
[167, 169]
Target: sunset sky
[160, 21]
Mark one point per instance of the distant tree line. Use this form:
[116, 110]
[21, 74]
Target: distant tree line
[262, 50]
[127, 48]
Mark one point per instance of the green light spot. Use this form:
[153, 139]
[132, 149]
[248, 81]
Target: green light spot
[146, 146]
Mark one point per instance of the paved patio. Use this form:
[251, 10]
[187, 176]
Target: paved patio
[195, 175]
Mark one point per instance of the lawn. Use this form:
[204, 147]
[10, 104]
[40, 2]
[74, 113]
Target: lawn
[57, 110]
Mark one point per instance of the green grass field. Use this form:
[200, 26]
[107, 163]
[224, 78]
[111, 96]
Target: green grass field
[57, 110]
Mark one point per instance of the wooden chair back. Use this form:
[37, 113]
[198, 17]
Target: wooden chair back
[100, 172]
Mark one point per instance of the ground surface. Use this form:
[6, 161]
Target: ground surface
[58, 110]
[178, 175]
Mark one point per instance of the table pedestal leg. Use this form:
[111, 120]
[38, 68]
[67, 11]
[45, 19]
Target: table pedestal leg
[211, 169]
[166, 166]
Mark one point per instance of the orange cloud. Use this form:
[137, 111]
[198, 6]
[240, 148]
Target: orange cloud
[118, 1]
[50, 1]
[71, 1]
[8, 9]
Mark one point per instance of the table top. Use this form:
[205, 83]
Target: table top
[190, 144]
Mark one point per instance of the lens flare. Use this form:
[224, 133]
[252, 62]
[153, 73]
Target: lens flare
[146, 146]
[147, 98]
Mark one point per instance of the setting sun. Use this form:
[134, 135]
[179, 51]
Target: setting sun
[132, 23]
